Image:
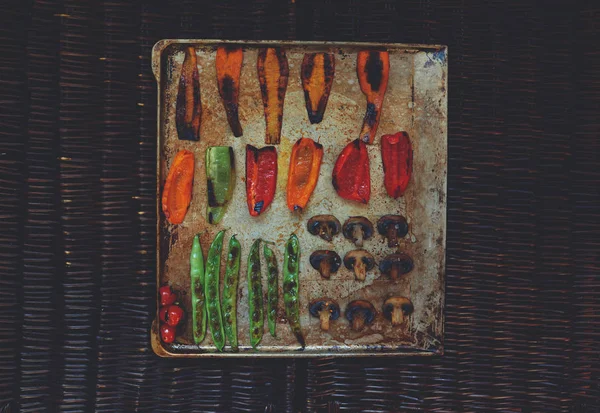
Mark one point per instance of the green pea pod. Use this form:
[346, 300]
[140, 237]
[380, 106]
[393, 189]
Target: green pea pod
[272, 288]
[255, 297]
[211, 290]
[220, 180]
[198, 297]
[291, 297]
[230, 291]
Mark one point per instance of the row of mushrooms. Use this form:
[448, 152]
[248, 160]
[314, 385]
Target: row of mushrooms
[328, 262]
[361, 313]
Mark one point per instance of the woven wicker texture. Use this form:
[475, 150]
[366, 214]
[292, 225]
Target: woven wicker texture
[77, 183]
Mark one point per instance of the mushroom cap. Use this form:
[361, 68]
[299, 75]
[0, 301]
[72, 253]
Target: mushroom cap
[361, 306]
[355, 255]
[403, 261]
[398, 221]
[364, 223]
[397, 302]
[314, 224]
[324, 303]
[319, 256]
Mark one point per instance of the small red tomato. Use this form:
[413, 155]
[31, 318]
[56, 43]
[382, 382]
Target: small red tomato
[167, 333]
[174, 315]
[167, 296]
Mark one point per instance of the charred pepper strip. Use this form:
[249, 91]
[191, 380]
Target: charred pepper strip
[373, 69]
[211, 290]
[273, 73]
[229, 66]
[230, 291]
[305, 164]
[255, 297]
[317, 74]
[272, 288]
[261, 178]
[177, 192]
[220, 180]
[188, 109]
[397, 155]
[351, 175]
[291, 296]
[197, 290]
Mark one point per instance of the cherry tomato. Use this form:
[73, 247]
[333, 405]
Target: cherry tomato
[167, 296]
[174, 315]
[167, 333]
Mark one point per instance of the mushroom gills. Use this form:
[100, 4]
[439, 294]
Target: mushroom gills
[326, 262]
[358, 229]
[392, 227]
[360, 313]
[359, 261]
[396, 265]
[397, 309]
[325, 226]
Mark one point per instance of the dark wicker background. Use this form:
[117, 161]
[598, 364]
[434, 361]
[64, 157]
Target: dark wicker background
[77, 221]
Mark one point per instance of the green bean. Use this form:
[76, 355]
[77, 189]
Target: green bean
[291, 268]
[230, 291]
[272, 288]
[198, 297]
[255, 297]
[211, 290]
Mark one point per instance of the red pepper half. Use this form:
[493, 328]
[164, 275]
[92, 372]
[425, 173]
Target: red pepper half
[397, 155]
[351, 175]
[261, 178]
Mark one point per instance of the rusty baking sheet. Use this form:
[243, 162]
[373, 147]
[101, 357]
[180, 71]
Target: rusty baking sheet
[416, 102]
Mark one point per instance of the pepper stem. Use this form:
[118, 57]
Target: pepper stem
[324, 316]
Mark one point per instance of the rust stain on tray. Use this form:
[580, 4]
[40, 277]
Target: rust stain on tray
[415, 102]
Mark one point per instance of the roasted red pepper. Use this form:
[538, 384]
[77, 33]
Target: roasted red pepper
[397, 154]
[261, 178]
[351, 175]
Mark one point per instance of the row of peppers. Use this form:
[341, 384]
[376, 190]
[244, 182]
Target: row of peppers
[317, 73]
[351, 175]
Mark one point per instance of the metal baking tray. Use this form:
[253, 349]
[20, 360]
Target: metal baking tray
[415, 101]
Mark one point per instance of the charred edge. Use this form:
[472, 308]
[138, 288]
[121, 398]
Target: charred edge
[283, 63]
[374, 70]
[371, 114]
[300, 338]
[308, 66]
[259, 206]
[335, 183]
[318, 146]
[329, 67]
[231, 159]
[210, 191]
[255, 151]
[234, 252]
[211, 219]
[186, 133]
[356, 144]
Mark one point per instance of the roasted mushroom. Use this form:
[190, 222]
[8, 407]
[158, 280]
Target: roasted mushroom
[325, 226]
[396, 308]
[392, 227]
[360, 313]
[359, 261]
[357, 229]
[325, 309]
[326, 262]
[396, 265]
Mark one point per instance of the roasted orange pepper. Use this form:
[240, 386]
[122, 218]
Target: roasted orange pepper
[305, 164]
[229, 66]
[188, 109]
[273, 73]
[397, 154]
[351, 174]
[177, 192]
[317, 77]
[373, 69]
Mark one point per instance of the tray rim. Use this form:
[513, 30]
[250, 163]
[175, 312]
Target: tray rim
[157, 346]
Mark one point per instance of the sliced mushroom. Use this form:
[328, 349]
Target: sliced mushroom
[396, 309]
[359, 261]
[396, 265]
[325, 226]
[357, 229]
[360, 313]
[325, 309]
[392, 227]
[326, 262]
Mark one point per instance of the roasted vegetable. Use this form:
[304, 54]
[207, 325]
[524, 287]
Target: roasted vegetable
[261, 178]
[392, 227]
[373, 69]
[397, 309]
[396, 265]
[255, 296]
[317, 77]
[291, 295]
[325, 226]
[272, 288]
[351, 174]
[357, 230]
[359, 261]
[229, 67]
[197, 292]
[220, 180]
[273, 72]
[360, 313]
[326, 262]
[211, 291]
[230, 291]
[325, 309]
[305, 164]
[188, 109]
[171, 314]
[177, 192]
[397, 155]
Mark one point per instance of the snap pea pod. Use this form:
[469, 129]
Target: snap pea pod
[230, 290]
[198, 297]
[211, 290]
[220, 180]
[291, 268]
[272, 288]
[255, 296]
